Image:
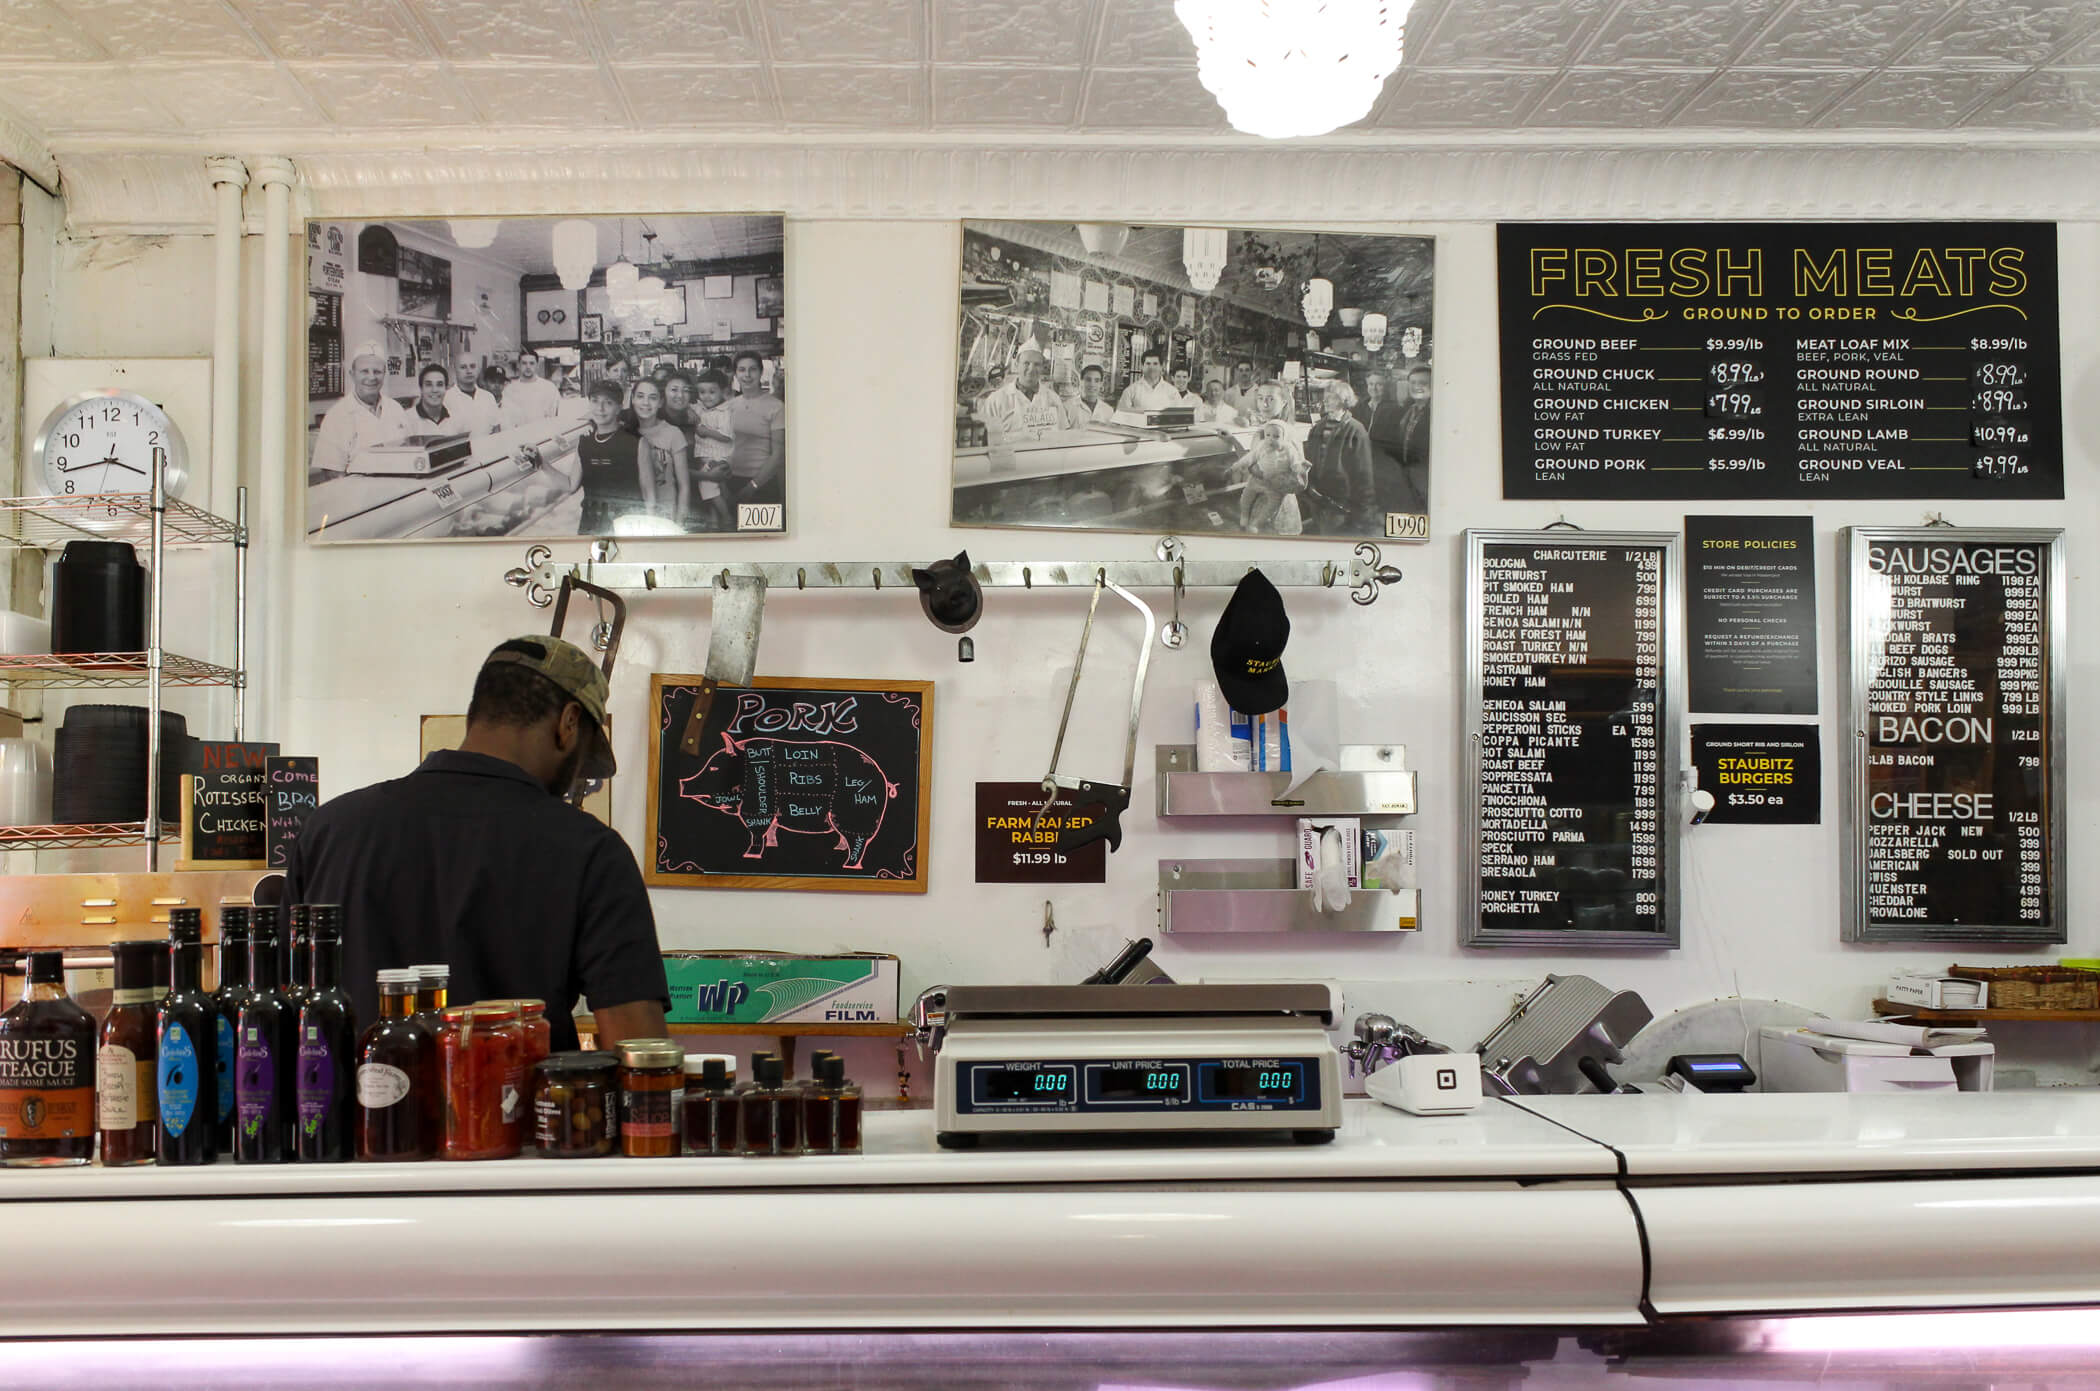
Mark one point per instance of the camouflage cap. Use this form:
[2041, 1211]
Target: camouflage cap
[580, 678]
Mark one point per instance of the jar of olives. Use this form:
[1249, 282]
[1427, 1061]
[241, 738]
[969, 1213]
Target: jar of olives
[576, 1106]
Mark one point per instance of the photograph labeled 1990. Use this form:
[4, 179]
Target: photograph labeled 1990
[1229, 381]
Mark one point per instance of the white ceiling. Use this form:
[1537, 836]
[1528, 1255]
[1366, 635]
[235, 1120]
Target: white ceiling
[96, 71]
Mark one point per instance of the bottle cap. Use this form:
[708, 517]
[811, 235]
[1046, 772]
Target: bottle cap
[436, 972]
[135, 963]
[715, 1074]
[765, 1069]
[263, 921]
[301, 919]
[327, 920]
[397, 982]
[185, 926]
[651, 1052]
[579, 1064]
[834, 1073]
[47, 968]
[233, 922]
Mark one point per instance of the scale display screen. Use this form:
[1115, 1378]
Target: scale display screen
[1136, 1084]
[1045, 1086]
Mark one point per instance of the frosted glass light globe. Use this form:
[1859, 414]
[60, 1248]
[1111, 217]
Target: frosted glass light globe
[1282, 68]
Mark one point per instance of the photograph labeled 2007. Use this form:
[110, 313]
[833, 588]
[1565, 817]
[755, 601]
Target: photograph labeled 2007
[1231, 381]
[545, 377]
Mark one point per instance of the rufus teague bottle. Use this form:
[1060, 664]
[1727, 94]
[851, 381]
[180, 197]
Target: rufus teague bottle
[232, 993]
[47, 1072]
[187, 1051]
[327, 1130]
[266, 1057]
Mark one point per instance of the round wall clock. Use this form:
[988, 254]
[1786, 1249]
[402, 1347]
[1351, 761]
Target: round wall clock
[104, 442]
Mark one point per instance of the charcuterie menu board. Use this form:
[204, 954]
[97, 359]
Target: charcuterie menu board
[1574, 714]
[1955, 800]
[1795, 360]
[799, 784]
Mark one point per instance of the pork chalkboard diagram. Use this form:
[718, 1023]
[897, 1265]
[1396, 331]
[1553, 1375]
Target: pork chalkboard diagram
[799, 784]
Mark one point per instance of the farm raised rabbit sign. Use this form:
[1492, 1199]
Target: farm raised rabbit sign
[799, 784]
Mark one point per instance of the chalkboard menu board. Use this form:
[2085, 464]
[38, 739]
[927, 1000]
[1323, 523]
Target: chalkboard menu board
[1574, 720]
[1955, 690]
[799, 784]
[1780, 360]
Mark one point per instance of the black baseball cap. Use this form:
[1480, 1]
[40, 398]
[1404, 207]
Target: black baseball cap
[1246, 651]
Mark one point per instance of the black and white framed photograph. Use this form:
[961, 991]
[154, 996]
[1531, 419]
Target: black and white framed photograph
[1228, 381]
[547, 377]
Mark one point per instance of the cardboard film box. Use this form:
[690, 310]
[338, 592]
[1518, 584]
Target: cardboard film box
[758, 987]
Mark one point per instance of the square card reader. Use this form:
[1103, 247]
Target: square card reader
[1036, 1060]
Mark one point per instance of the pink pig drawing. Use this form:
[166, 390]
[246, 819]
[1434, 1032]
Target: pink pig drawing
[815, 787]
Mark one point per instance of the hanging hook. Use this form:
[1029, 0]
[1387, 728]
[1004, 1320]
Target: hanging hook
[1563, 524]
[1938, 519]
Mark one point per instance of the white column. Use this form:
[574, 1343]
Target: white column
[274, 526]
[228, 177]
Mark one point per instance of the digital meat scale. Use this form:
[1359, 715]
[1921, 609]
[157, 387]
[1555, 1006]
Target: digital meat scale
[1039, 1060]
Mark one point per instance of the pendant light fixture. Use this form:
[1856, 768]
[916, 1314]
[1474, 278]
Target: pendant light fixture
[1203, 256]
[475, 233]
[1103, 238]
[575, 252]
[1283, 68]
[1318, 302]
[1374, 330]
[621, 276]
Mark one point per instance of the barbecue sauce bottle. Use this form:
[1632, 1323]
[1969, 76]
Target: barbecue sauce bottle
[266, 1056]
[232, 993]
[299, 950]
[186, 1063]
[47, 1072]
[127, 1085]
[327, 1084]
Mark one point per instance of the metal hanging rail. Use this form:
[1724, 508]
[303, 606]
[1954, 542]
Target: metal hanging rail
[1363, 573]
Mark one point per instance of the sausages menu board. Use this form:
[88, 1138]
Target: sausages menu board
[1955, 686]
[1780, 360]
[1574, 713]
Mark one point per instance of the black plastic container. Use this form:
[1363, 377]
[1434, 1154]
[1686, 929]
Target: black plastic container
[98, 599]
[99, 765]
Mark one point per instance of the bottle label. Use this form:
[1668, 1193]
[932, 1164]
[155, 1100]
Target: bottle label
[116, 1087]
[649, 1115]
[316, 1085]
[255, 1083]
[178, 1079]
[380, 1086]
[225, 1065]
[150, 995]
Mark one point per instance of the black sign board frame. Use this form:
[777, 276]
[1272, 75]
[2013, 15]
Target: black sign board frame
[1866, 600]
[1665, 795]
[801, 783]
[1804, 361]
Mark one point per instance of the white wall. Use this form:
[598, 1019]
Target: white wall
[384, 634]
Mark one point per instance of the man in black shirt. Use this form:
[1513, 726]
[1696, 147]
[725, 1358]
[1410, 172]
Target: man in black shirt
[476, 860]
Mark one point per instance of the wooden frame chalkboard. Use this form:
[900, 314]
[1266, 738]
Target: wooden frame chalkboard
[1574, 739]
[1954, 734]
[804, 783]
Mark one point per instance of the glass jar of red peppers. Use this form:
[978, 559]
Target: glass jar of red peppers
[481, 1051]
[652, 1087]
[539, 1034]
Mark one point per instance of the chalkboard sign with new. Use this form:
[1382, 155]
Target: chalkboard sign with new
[1574, 713]
[224, 804]
[294, 790]
[1803, 360]
[799, 784]
[1955, 737]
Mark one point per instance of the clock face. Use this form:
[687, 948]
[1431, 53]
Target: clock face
[107, 442]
